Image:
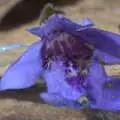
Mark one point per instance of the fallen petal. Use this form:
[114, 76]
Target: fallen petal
[57, 100]
[25, 71]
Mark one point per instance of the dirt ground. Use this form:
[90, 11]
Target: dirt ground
[25, 104]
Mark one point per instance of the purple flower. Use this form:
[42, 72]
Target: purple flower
[60, 58]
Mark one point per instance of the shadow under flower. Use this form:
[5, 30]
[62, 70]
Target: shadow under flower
[102, 114]
[29, 94]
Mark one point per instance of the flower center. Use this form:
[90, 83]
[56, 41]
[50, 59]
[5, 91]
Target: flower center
[65, 46]
[75, 74]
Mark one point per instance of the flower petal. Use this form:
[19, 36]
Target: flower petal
[105, 41]
[46, 28]
[87, 22]
[57, 100]
[102, 90]
[61, 23]
[94, 82]
[111, 94]
[55, 78]
[25, 71]
[106, 58]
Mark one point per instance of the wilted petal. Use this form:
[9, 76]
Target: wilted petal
[105, 41]
[71, 27]
[59, 22]
[57, 100]
[46, 28]
[37, 30]
[55, 78]
[111, 94]
[102, 90]
[95, 81]
[106, 58]
[87, 22]
[25, 71]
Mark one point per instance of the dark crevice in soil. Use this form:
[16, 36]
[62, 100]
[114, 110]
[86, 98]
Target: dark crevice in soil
[28, 94]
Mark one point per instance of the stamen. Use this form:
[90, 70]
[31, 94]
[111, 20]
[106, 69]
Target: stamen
[69, 48]
[46, 63]
[84, 72]
[71, 72]
[89, 45]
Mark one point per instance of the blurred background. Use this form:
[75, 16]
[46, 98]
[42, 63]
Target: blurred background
[15, 17]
